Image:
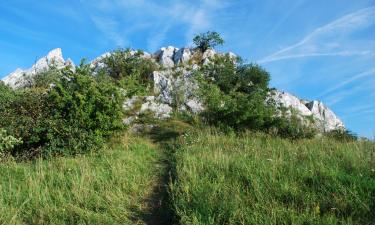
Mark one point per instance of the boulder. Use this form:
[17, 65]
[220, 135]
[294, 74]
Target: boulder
[182, 56]
[165, 56]
[160, 110]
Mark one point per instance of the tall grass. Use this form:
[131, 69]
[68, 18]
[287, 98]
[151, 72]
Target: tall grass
[102, 188]
[258, 179]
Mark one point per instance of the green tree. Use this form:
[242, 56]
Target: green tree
[208, 40]
[235, 95]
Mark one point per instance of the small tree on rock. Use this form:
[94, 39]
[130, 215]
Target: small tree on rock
[208, 40]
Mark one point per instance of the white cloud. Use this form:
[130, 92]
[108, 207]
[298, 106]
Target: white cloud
[109, 27]
[159, 18]
[323, 40]
[348, 81]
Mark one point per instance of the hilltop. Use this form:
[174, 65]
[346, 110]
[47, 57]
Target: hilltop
[181, 60]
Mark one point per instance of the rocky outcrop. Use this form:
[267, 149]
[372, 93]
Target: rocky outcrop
[137, 106]
[325, 119]
[21, 78]
[174, 85]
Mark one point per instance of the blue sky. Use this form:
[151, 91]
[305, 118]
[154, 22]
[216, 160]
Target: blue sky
[321, 49]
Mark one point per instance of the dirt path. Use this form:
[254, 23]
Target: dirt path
[158, 209]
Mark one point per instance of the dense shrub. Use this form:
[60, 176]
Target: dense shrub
[131, 70]
[342, 135]
[72, 116]
[84, 112]
[7, 142]
[235, 96]
[24, 114]
[292, 125]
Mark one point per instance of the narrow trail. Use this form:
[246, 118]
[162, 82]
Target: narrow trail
[158, 209]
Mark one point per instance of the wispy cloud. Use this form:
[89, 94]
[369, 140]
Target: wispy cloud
[110, 28]
[348, 81]
[119, 19]
[322, 41]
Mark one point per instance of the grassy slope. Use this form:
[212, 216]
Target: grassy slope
[255, 179]
[103, 188]
[218, 179]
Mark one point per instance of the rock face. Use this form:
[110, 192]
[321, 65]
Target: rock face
[147, 104]
[175, 86]
[325, 119]
[20, 78]
[178, 88]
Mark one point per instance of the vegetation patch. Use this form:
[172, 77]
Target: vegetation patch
[107, 187]
[255, 179]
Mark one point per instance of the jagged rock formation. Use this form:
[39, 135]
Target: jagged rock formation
[174, 85]
[20, 78]
[325, 119]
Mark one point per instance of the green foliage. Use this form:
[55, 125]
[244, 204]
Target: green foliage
[235, 96]
[208, 40]
[342, 135]
[7, 142]
[46, 78]
[24, 114]
[253, 178]
[292, 125]
[72, 116]
[131, 70]
[84, 112]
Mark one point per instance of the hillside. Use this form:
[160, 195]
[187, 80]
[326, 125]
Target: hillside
[202, 177]
[180, 136]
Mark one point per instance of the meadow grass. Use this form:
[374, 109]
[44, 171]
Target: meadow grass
[258, 179]
[107, 187]
[213, 178]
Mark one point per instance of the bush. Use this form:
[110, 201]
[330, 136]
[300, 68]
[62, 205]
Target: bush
[235, 96]
[84, 112]
[24, 115]
[7, 142]
[208, 40]
[130, 70]
[293, 126]
[342, 135]
[73, 116]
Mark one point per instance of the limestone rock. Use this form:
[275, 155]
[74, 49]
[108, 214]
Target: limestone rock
[160, 110]
[182, 56]
[174, 84]
[327, 118]
[147, 104]
[165, 56]
[195, 106]
[288, 100]
[21, 78]
[207, 55]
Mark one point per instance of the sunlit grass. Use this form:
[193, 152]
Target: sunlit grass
[258, 179]
[107, 187]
